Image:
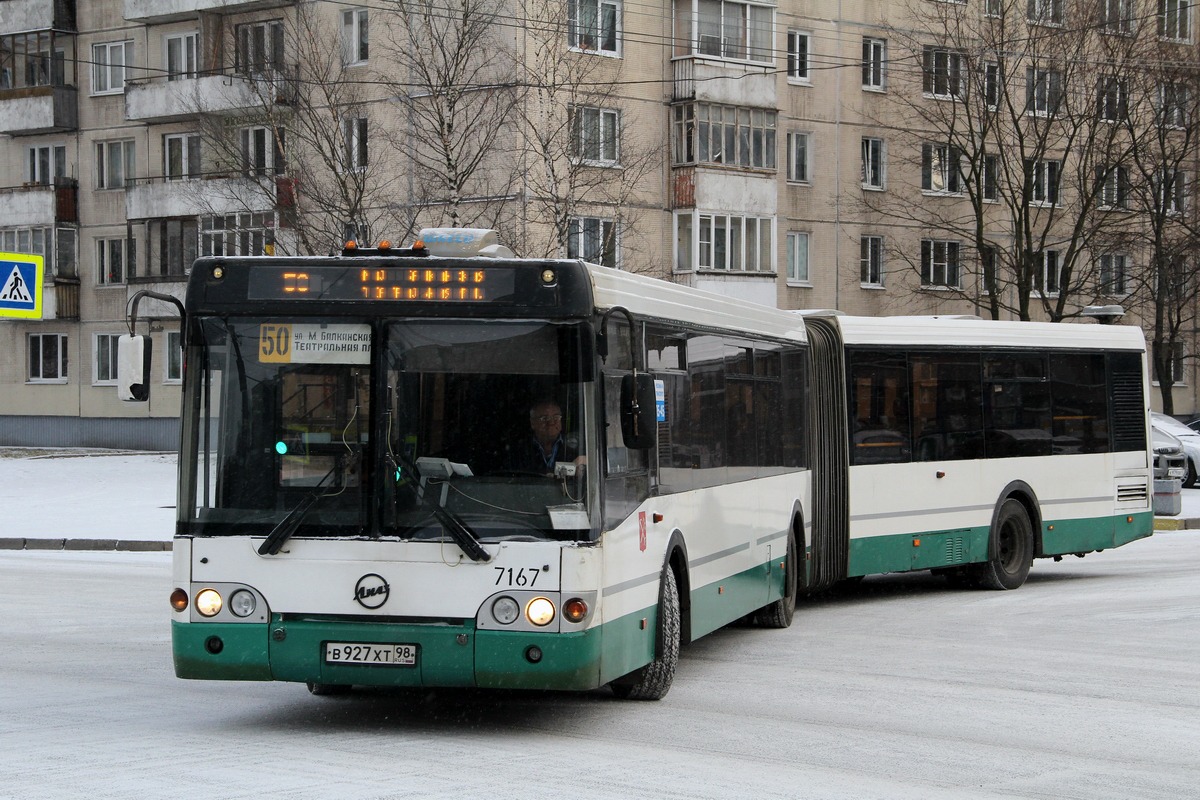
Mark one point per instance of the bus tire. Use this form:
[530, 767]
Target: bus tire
[1010, 549]
[326, 689]
[653, 681]
[778, 614]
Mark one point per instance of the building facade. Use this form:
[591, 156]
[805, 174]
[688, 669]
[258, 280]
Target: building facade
[872, 158]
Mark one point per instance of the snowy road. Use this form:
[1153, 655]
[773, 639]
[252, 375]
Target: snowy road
[1085, 683]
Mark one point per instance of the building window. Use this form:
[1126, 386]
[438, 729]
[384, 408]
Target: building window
[34, 241]
[47, 357]
[181, 156]
[872, 163]
[244, 234]
[798, 48]
[174, 359]
[1173, 104]
[1116, 16]
[1111, 98]
[942, 73]
[732, 135]
[1043, 177]
[1113, 274]
[108, 66]
[728, 30]
[798, 153]
[941, 169]
[115, 260]
[1173, 19]
[1043, 91]
[354, 131]
[1049, 278]
[874, 62]
[1171, 188]
[30, 59]
[870, 260]
[1045, 12]
[993, 8]
[991, 85]
[797, 259]
[1114, 186]
[939, 264]
[594, 26]
[262, 151]
[594, 240]
[174, 243]
[106, 358]
[725, 242]
[594, 135]
[114, 164]
[181, 56]
[46, 163]
[991, 178]
[258, 48]
[1178, 375]
[354, 36]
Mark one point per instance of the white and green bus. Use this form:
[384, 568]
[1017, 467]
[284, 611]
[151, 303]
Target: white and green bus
[367, 495]
[971, 447]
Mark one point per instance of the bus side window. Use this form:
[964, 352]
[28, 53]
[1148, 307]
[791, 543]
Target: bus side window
[1079, 394]
[947, 407]
[1017, 405]
[880, 426]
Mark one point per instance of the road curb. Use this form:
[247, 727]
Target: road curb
[126, 545]
[1176, 524]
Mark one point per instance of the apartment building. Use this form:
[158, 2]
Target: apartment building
[792, 154]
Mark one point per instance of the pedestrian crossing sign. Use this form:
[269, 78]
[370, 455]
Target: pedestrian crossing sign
[21, 285]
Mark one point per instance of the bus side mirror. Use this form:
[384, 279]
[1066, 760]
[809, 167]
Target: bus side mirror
[639, 419]
[133, 367]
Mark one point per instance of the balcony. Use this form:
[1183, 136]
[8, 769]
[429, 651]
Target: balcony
[163, 100]
[38, 109]
[38, 15]
[155, 11]
[151, 198]
[39, 205]
[716, 80]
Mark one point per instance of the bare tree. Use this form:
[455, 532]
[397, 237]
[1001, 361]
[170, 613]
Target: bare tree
[1164, 128]
[578, 156]
[305, 143]
[1010, 119]
[452, 70]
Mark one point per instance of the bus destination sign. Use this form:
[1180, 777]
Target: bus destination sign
[432, 284]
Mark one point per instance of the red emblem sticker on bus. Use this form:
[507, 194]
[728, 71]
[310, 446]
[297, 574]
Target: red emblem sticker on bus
[642, 531]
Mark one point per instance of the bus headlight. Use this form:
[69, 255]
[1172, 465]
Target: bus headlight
[242, 603]
[209, 602]
[505, 610]
[540, 611]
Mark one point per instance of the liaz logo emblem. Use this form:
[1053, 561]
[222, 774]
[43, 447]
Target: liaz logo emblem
[371, 591]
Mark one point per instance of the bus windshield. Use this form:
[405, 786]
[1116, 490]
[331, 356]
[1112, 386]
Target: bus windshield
[476, 423]
[487, 420]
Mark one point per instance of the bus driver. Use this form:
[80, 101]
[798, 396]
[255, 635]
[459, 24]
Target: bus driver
[546, 447]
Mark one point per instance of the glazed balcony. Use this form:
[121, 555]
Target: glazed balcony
[720, 81]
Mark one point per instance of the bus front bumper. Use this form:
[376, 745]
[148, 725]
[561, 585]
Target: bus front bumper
[446, 654]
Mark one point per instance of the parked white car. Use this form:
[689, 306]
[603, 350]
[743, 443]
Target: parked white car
[1188, 439]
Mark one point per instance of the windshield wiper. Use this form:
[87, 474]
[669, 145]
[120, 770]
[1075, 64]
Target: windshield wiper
[289, 524]
[466, 539]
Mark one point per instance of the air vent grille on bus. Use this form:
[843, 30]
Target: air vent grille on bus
[1133, 493]
[955, 552]
[1128, 403]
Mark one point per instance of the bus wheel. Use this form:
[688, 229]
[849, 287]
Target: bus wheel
[326, 689]
[1010, 549]
[779, 613]
[653, 681]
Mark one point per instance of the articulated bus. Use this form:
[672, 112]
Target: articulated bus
[367, 494]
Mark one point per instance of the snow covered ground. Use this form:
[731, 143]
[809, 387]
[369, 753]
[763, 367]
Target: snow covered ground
[109, 494]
